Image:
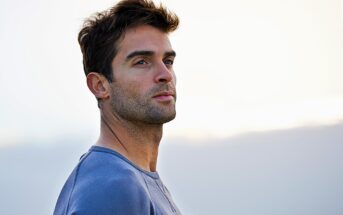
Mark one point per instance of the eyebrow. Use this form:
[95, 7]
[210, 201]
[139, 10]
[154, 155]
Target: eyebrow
[148, 53]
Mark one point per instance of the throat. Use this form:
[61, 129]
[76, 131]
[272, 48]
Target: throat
[139, 144]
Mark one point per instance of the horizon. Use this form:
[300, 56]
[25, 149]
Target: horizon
[297, 171]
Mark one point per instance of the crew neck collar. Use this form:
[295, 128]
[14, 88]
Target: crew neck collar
[111, 151]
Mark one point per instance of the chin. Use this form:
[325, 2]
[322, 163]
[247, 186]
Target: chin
[161, 118]
[170, 118]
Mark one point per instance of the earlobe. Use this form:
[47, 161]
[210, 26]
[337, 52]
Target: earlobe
[98, 85]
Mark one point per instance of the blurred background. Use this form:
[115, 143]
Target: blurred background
[259, 127]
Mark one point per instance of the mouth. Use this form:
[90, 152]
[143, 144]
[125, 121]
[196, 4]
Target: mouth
[165, 96]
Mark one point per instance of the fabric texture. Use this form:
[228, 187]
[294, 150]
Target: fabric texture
[106, 183]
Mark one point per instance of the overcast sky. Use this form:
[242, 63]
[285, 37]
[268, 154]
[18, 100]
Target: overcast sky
[248, 65]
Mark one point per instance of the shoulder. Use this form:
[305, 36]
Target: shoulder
[105, 169]
[109, 186]
[111, 197]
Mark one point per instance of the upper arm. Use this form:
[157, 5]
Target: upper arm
[112, 197]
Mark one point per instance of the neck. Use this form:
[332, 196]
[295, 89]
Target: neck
[138, 142]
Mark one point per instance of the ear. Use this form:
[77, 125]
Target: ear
[98, 85]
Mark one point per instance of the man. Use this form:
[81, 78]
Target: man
[128, 61]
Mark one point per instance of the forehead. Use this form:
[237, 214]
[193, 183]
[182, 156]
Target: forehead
[144, 38]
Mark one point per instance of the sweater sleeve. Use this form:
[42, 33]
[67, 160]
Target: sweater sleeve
[115, 197]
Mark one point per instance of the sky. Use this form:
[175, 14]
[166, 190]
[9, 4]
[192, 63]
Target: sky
[241, 66]
[263, 75]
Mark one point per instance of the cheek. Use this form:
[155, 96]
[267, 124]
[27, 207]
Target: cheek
[136, 89]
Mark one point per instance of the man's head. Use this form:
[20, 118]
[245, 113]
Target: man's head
[128, 60]
[101, 34]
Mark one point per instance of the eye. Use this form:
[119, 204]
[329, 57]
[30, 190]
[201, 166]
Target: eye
[169, 62]
[141, 62]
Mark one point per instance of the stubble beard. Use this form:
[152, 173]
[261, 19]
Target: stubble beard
[141, 108]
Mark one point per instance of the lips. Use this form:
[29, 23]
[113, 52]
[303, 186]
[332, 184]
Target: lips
[165, 96]
[168, 93]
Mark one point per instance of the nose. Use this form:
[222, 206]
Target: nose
[164, 74]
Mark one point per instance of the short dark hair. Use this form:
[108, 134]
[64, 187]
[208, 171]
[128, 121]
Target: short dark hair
[100, 33]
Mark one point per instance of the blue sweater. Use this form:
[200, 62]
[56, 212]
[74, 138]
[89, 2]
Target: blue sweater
[106, 183]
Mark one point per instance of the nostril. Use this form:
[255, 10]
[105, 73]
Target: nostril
[163, 80]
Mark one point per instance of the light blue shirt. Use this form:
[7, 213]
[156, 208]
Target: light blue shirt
[106, 183]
